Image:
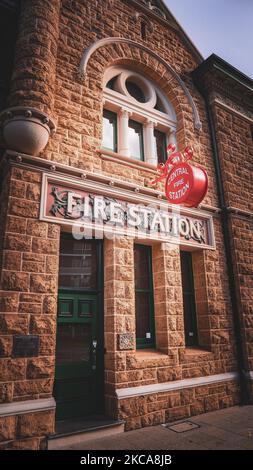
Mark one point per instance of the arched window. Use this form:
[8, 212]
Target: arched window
[138, 120]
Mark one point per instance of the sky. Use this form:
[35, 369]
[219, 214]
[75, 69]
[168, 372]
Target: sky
[223, 27]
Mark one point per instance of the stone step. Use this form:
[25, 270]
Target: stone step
[65, 437]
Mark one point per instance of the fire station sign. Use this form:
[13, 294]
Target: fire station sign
[96, 210]
[185, 184]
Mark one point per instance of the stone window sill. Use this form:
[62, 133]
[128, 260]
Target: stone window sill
[153, 353]
[194, 354]
[130, 162]
[146, 358]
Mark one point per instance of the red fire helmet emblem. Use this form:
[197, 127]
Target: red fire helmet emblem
[185, 184]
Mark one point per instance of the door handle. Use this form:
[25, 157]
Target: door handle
[94, 354]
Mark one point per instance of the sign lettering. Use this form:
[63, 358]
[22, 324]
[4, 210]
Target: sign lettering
[66, 205]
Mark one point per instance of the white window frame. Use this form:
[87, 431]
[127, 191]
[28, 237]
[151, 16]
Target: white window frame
[127, 107]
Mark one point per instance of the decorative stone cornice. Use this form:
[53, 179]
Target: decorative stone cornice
[232, 106]
[240, 213]
[215, 63]
[227, 92]
[43, 165]
[117, 40]
[215, 75]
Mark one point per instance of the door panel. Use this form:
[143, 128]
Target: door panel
[75, 377]
[79, 348]
[73, 343]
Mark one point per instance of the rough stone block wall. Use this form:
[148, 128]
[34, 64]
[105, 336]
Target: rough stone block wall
[236, 153]
[78, 105]
[168, 299]
[171, 361]
[222, 337]
[159, 408]
[33, 77]
[119, 312]
[26, 431]
[28, 300]
[78, 101]
[242, 231]
[30, 252]
[234, 135]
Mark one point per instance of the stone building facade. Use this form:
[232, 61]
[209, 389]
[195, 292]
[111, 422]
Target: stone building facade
[100, 324]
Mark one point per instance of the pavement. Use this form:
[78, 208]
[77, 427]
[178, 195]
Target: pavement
[227, 429]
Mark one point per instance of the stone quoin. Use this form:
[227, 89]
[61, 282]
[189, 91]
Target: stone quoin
[125, 291]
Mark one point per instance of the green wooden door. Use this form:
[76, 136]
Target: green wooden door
[79, 368]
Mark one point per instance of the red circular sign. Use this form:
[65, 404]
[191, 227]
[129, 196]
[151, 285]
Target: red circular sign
[186, 185]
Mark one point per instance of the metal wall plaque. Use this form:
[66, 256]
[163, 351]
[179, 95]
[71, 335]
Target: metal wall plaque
[25, 346]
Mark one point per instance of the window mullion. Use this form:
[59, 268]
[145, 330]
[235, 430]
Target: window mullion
[123, 140]
[149, 142]
[172, 138]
